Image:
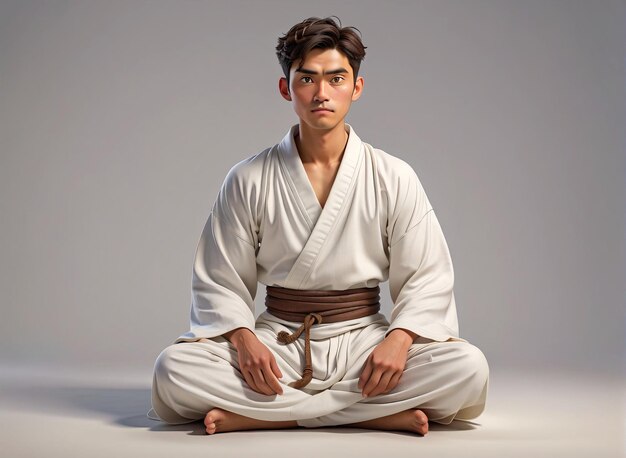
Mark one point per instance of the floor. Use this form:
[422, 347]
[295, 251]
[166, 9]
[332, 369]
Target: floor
[52, 414]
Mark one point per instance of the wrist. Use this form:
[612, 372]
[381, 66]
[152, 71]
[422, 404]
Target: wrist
[236, 336]
[404, 336]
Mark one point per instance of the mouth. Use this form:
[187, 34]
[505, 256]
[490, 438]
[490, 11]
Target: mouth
[322, 109]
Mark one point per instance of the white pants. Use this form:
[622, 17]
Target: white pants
[446, 380]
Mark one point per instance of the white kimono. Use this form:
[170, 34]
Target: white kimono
[267, 226]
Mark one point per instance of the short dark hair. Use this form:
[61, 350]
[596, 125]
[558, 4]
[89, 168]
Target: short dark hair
[320, 33]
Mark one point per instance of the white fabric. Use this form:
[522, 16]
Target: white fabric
[377, 224]
[267, 226]
[447, 380]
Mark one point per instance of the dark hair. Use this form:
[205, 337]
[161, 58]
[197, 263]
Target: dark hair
[319, 33]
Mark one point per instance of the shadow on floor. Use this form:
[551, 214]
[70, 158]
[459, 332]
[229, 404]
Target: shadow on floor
[128, 407]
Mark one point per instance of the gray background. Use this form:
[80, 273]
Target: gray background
[120, 119]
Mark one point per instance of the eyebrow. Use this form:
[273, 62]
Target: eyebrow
[330, 72]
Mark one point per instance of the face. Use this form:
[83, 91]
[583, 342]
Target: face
[324, 81]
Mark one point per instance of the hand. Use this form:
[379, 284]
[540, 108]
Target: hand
[385, 365]
[256, 362]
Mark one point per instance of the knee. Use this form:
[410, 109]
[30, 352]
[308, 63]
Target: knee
[166, 362]
[166, 392]
[473, 362]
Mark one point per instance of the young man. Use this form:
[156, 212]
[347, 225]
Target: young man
[321, 218]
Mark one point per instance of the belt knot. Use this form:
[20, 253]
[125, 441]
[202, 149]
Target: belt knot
[286, 338]
[303, 305]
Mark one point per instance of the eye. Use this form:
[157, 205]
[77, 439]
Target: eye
[304, 77]
[340, 77]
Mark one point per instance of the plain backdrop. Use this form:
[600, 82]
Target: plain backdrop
[120, 119]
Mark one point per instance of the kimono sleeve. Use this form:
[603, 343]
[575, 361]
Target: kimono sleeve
[421, 276]
[224, 277]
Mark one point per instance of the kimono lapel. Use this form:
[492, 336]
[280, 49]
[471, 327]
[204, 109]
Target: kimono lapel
[321, 220]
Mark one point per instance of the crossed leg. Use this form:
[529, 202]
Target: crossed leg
[446, 379]
[412, 420]
[442, 381]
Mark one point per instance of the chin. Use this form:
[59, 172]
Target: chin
[327, 120]
[318, 123]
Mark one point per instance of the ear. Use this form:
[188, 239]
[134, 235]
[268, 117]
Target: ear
[358, 88]
[283, 88]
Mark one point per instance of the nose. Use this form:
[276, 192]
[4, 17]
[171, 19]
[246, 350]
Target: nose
[320, 94]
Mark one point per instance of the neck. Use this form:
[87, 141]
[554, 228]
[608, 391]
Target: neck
[321, 147]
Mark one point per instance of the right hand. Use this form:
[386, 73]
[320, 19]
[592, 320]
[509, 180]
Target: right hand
[256, 362]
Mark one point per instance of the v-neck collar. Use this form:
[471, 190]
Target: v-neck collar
[302, 184]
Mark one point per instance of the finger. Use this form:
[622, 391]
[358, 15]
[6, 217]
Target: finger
[372, 382]
[259, 379]
[275, 368]
[245, 370]
[276, 371]
[250, 381]
[393, 382]
[271, 380]
[365, 375]
[382, 384]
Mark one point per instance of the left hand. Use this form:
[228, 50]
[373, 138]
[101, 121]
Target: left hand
[385, 365]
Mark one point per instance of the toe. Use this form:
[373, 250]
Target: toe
[421, 421]
[422, 429]
[421, 417]
[211, 427]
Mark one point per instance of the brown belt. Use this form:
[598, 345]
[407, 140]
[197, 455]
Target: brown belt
[310, 305]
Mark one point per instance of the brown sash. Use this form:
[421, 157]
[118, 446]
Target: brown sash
[308, 306]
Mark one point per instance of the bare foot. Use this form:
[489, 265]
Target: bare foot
[412, 420]
[221, 421]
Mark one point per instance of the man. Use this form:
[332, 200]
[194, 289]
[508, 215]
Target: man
[321, 218]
